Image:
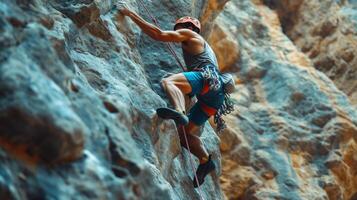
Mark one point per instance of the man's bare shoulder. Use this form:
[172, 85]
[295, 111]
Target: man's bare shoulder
[193, 37]
[188, 32]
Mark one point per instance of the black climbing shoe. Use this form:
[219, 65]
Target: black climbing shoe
[202, 171]
[168, 113]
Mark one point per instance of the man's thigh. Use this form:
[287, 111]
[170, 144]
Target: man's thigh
[180, 81]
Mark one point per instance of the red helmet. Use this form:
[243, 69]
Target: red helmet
[191, 20]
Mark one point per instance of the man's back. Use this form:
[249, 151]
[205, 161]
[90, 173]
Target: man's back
[203, 58]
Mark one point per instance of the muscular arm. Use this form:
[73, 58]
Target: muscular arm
[157, 34]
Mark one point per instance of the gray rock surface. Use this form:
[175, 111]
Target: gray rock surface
[293, 133]
[79, 86]
[326, 31]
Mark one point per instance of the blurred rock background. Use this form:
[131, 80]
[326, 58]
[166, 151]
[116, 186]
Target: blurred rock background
[79, 85]
[293, 135]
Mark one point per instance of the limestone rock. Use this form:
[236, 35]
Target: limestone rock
[79, 85]
[326, 31]
[296, 130]
[36, 117]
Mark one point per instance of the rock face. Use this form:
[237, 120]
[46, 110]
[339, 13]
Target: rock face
[79, 86]
[293, 134]
[326, 32]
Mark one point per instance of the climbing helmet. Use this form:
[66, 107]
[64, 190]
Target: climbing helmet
[189, 20]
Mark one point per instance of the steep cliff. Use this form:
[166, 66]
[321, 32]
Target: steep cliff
[79, 86]
[326, 32]
[293, 135]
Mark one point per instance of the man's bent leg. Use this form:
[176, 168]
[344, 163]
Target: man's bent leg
[196, 147]
[176, 86]
[194, 142]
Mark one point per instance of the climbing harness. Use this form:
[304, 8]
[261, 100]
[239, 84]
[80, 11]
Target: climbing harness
[225, 109]
[172, 51]
[228, 83]
[213, 81]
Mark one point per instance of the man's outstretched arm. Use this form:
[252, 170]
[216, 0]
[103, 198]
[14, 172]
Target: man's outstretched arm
[155, 32]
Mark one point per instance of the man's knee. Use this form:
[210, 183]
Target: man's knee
[167, 82]
[164, 83]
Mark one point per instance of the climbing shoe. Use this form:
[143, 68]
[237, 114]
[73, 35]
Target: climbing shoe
[168, 113]
[202, 171]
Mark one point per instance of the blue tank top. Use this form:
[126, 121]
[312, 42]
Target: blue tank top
[207, 57]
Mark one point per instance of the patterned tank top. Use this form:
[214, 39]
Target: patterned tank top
[198, 61]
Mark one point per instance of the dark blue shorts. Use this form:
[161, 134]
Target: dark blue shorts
[212, 99]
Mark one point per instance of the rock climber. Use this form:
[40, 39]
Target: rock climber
[202, 79]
